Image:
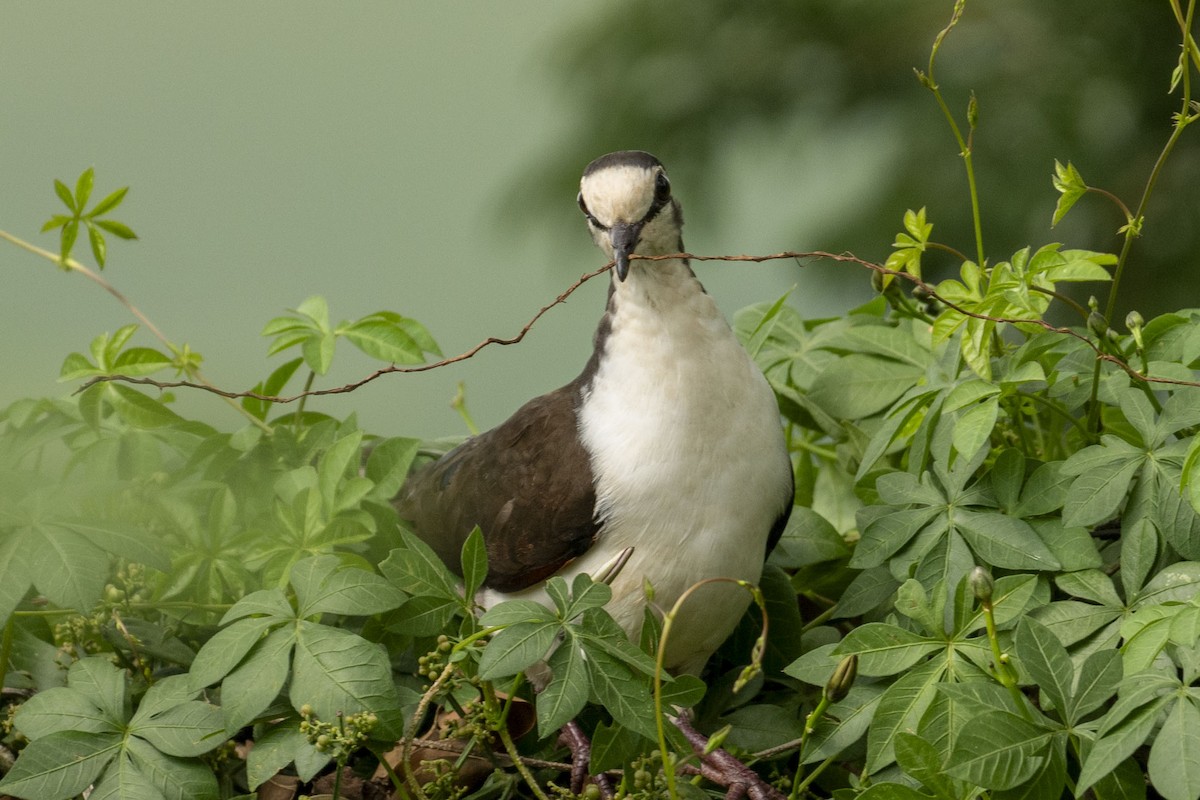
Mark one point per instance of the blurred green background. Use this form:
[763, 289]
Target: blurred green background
[424, 158]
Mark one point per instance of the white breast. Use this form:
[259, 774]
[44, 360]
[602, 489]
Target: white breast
[691, 465]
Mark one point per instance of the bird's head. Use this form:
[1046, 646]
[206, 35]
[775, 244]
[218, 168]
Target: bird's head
[626, 198]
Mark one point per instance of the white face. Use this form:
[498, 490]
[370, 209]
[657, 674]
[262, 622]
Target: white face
[617, 194]
[623, 195]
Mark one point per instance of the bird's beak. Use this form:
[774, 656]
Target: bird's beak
[624, 237]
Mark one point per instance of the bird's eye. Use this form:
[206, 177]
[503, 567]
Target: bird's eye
[662, 188]
[591, 219]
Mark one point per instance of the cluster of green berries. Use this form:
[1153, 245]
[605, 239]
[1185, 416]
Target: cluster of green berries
[445, 784]
[432, 663]
[129, 585]
[340, 738]
[80, 633]
[649, 782]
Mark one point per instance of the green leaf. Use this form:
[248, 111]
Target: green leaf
[922, 761]
[599, 631]
[62, 566]
[625, 697]
[70, 232]
[1004, 541]
[858, 386]
[1096, 494]
[188, 729]
[109, 203]
[384, 341]
[96, 240]
[892, 343]
[899, 709]
[270, 602]
[586, 595]
[975, 427]
[118, 229]
[62, 709]
[388, 464]
[891, 791]
[1174, 764]
[415, 569]
[808, 539]
[141, 411]
[138, 361]
[61, 765]
[761, 726]
[250, 688]
[1099, 677]
[567, 693]
[1118, 742]
[474, 562]
[1047, 664]
[997, 750]
[339, 672]
[56, 221]
[845, 723]
[516, 647]
[883, 536]
[1069, 183]
[64, 194]
[614, 746]
[326, 586]
[511, 612]
[1141, 416]
[83, 188]
[164, 777]
[278, 747]
[424, 616]
[338, 463]
[317, 351]
[885, 649]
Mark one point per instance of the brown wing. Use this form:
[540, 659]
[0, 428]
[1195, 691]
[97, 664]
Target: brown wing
[526, 483]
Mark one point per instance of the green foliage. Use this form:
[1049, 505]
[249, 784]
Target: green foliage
[990, 583]
[93, 221]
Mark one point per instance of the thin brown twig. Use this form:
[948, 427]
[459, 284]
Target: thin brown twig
[788, 254]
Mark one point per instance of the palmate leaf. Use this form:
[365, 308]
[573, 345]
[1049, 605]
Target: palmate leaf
[1069, 183]
[142, 768]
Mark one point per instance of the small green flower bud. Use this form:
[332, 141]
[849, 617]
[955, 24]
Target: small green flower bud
[1097, 324]
[842, 679]
[982, 584]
